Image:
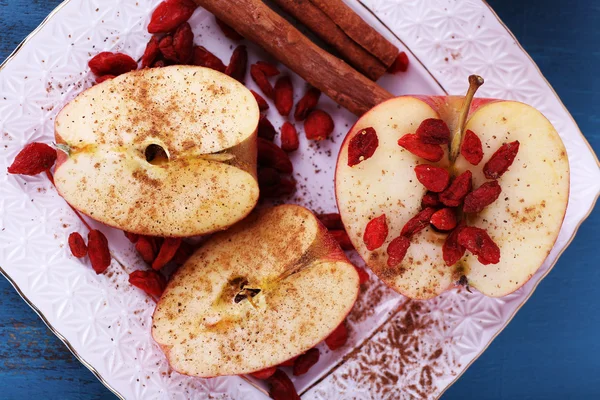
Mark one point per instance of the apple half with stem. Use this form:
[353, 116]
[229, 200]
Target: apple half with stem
[266, 290]
[162, 152]
[402, 176]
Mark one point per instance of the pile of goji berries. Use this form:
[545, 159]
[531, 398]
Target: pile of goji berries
[447, 200]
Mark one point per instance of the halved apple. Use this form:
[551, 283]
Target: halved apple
[524, 221]
[164, 152]
[266, 290]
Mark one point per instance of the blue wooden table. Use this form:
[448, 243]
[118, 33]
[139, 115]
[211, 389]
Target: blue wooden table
[551, 350]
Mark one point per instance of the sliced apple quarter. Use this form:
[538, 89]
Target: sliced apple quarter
[520, 217]
[266, 290]
[164, 152]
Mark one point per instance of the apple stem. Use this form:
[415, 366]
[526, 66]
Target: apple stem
[475, 81]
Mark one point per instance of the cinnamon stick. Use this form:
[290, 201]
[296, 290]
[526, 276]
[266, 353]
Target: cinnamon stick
[258, 23]
[358, 30]
[320, 24]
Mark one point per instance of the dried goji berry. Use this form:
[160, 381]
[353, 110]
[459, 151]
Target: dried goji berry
[204, 58]
[264, 373]
[170, 14]
[414, 144]
[183, 43]
[458, 190]
[281, 387]
[501, 160]
[33, 159]
[268, 177]
[430, 199]
[104, 78]
[478, 242]
[266, 130]
[318, 125]
[331, 220]
[107, 63]
[269, 69]
[338, 337]
[151, 53]
[167, 252]
[289, 363]
[307, 103]
[397, 250]
[98, 251]
[284, 95]
[167, 48]
[452, 251]
[305, 361]
[433, 131]
[285, 187]
[400, 64]
[150, 282]
[342, 238]
[184, 252]
[376, 232]
[145, 247]
[471, 148]
[435, 179]
[271, 155]
[228, 31]
[482, 197]
[262, 103]
[238, 64]
[77, 245]
[418, 222]
[289, 137]
[444, 219]
[363, 276]
[259, 77]
[133, 237]
[362, 146]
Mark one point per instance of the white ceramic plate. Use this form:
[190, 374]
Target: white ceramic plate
[398, 348]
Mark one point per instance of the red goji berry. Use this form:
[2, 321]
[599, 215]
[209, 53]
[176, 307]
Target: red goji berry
[266, 130]
[204, 58]
[444, 219]
[501, 160]
[429, 152]
[151, 53]
[452, 251]
[98, 251]
[400, 64]
[482, 197]
[262, 103]
[363, 276]
[458, 190]
[289, 363]
[338, 337]
[267, 68]
[362, 146]
[77, 245]
[397, 250]
[104, 78]
[133, 237]
[170, 14]
[478, 242]
[167, 48]
[259, 77]
[284, 95]
[107, 63]
[376, 232]
[271, 155]
[471, 148]
[264, 373]
[167, 252]
[307, 103]
[417, 223]
[150, 282]
[435, 179]
[285, 187]
[433, 131]
[228, 31]
[145, 246]
[281, 387]
[430, 199]
[318, 125]
[238, 64]
[331, 220]
[184, 252]
[183, 43]
[305, 361]
[342, 238]
[289, 137]
[268, 177]
[33, 159]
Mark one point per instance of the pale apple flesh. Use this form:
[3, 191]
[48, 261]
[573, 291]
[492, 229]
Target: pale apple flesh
[204, 121]
[524, 221]
[307, 287]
